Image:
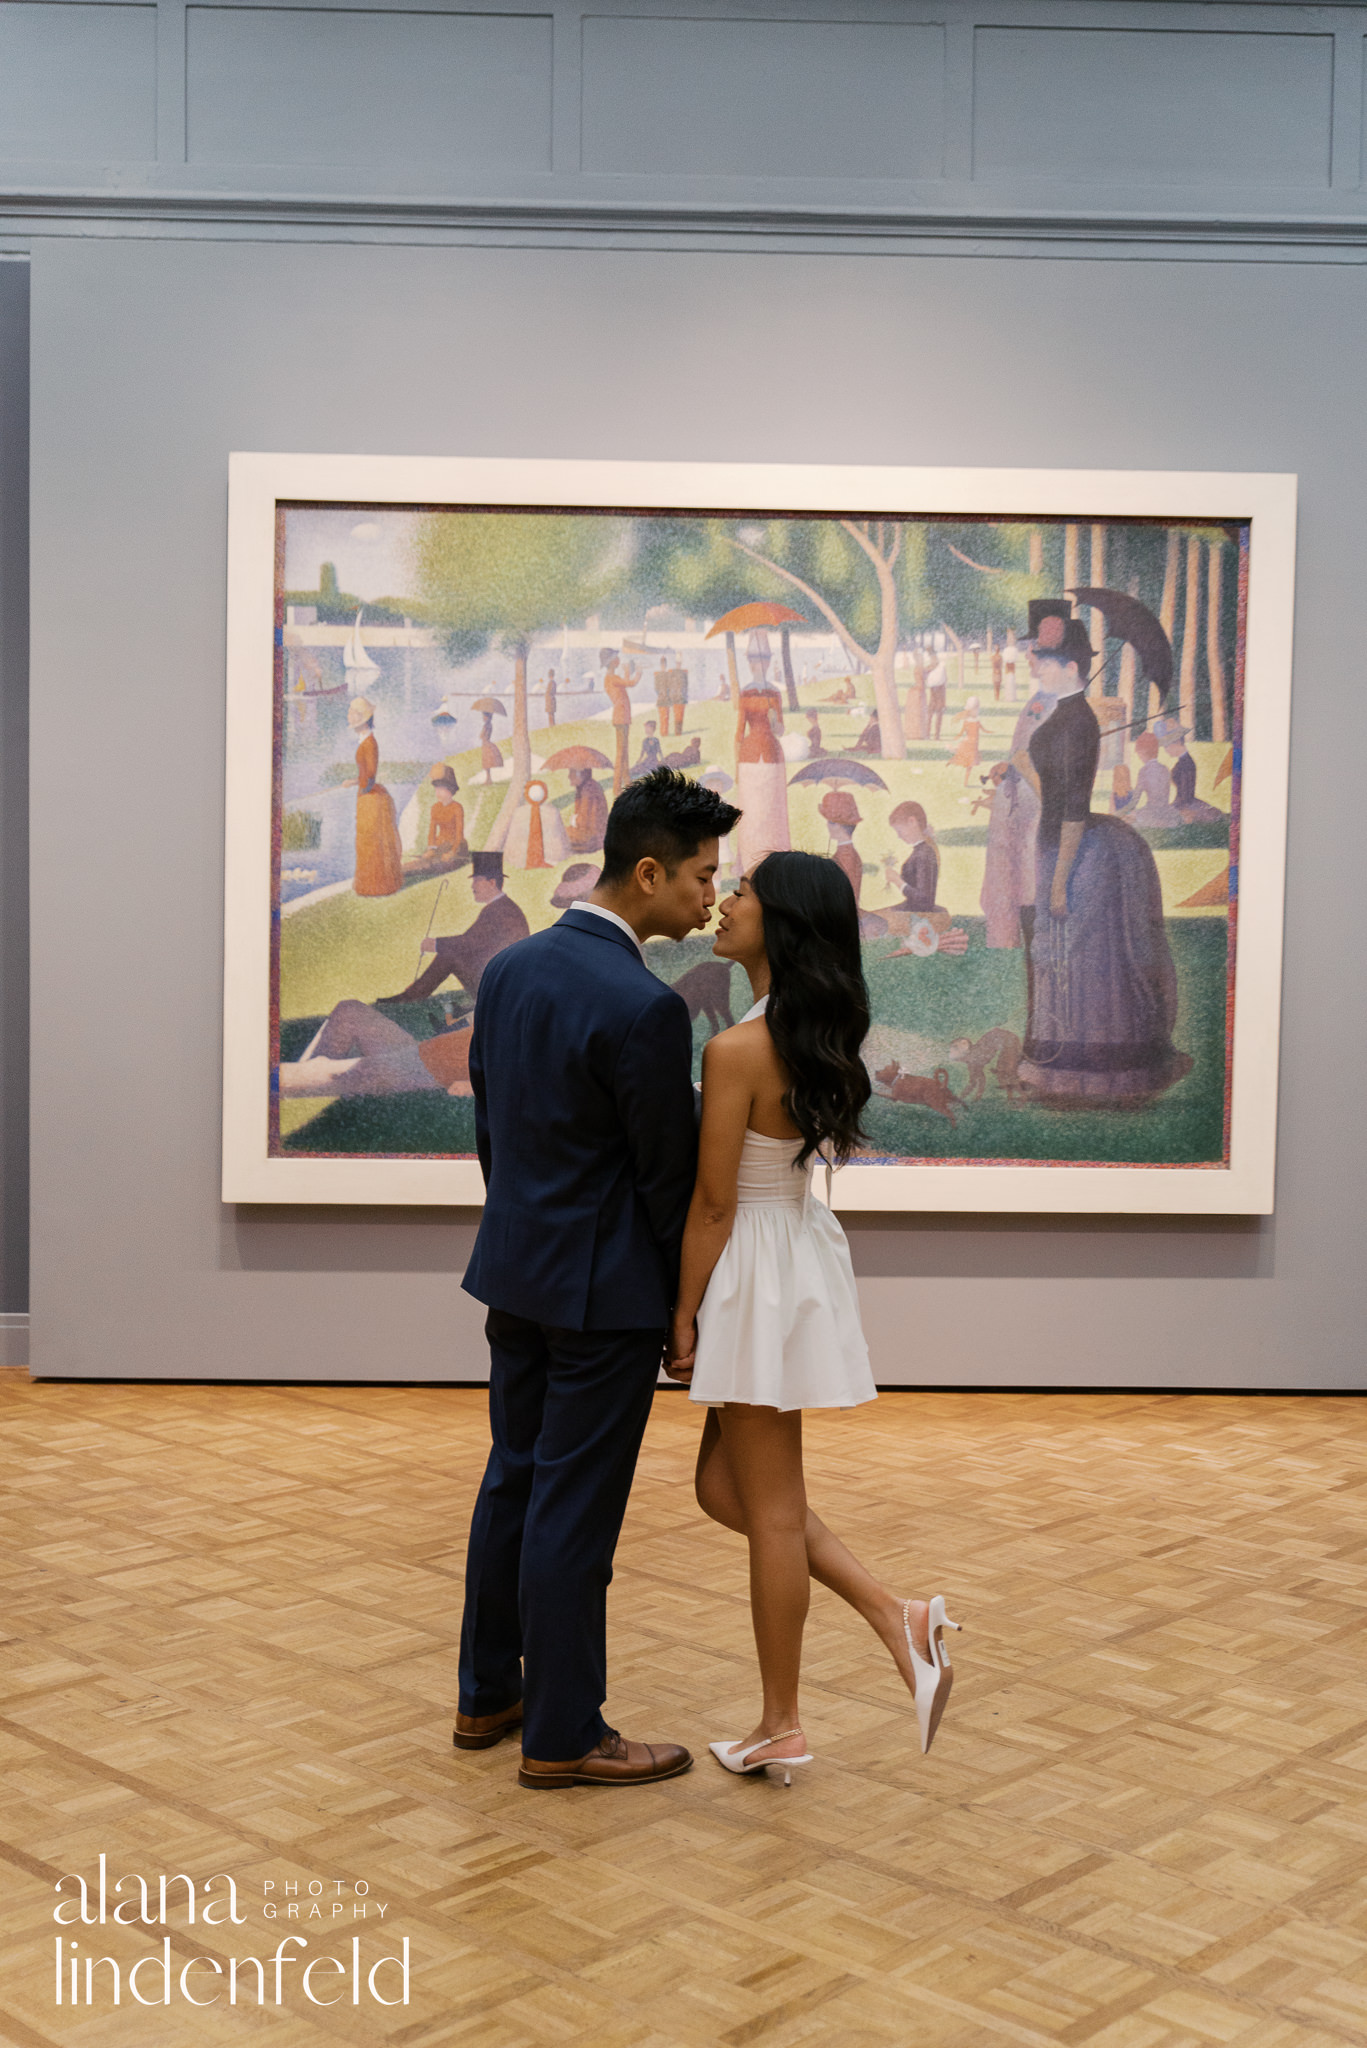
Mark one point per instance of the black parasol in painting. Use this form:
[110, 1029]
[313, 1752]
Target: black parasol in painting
[1129, 620]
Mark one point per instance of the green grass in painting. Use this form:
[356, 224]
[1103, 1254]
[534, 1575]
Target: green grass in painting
[390, 1124]
[937, 1000]
[348, 946]
[920, 1007]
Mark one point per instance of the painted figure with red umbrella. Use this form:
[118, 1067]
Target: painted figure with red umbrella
[840, 811]
[587, 820]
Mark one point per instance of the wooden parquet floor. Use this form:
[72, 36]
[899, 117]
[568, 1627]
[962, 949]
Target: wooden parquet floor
[230, 1623]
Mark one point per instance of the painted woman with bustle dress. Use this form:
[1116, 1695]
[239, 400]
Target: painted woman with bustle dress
[1103, 990]
[767, 1318]
[379, 851]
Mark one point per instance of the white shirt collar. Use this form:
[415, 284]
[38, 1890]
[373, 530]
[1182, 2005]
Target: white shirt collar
[611, 915]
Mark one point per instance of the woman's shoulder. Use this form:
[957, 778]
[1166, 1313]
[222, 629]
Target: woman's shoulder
[744, 1044]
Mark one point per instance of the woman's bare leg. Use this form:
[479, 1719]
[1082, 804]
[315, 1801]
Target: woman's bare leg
[830, 1563]
[764, 1454]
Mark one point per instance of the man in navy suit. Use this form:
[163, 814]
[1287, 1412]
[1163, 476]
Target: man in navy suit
[581, 1065]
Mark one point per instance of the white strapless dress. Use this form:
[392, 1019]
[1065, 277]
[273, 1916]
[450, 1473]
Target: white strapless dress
[779, 1323]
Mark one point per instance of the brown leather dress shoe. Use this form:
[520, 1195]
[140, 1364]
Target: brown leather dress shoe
[482, 1731]
[614, 1762]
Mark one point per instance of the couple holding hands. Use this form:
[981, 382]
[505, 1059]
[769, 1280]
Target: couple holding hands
[617, 1231]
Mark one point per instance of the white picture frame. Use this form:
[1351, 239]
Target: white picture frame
[1267, 502]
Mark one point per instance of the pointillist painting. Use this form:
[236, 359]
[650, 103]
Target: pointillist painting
[1021, 735]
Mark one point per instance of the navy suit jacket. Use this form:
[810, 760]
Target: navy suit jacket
[581, 1064]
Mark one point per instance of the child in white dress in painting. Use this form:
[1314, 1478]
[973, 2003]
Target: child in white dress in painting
[767, 1318]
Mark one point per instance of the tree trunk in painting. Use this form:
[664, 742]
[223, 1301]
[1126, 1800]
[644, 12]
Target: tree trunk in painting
[1098, 580]
[1167, 604]
[1215, 667]
[1167, 608]
[1036, 552]
[1134, 688]
[733, 673]
[914, 725]
[1071, 579]
[883, 554]
[522, 753]
[1130, 689]
[1191, 631]
[785, 635]
[957, 644]
[893, 747]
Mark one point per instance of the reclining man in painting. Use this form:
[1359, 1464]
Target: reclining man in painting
[466, 954]
[358, 1051]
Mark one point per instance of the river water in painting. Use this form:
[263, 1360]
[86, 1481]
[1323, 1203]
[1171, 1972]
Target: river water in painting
[423, 713]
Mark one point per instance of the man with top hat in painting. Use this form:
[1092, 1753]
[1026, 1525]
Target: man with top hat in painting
[466, 954]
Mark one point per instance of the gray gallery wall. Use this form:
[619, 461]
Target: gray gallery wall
[1128, 233]
[14, 990]
[153, 360]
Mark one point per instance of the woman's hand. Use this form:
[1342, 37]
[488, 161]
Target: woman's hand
[680, 1350]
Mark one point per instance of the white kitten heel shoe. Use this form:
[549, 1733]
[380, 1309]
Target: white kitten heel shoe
[934, 1677]
[746, 1764]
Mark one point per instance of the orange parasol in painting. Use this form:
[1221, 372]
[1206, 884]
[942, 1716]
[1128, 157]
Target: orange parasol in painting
[577, 757]
[747, 618]
[750, 618]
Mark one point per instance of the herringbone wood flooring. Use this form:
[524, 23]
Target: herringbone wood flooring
[230, 1645]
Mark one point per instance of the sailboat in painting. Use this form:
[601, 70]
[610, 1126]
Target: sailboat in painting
[354, 656]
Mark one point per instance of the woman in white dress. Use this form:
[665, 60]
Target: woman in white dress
[767, 1319]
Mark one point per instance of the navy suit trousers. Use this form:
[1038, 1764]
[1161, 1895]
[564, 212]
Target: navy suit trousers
[567, 1411]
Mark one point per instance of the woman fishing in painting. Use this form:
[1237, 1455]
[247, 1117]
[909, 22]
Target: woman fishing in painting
[379, 854]
[1103, 995]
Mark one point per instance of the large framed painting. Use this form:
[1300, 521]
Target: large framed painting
[1038, 717]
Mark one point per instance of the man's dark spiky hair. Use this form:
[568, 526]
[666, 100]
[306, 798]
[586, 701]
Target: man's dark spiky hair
[664, 816]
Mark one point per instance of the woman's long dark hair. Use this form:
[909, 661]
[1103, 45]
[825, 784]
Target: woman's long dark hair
[818, 1012]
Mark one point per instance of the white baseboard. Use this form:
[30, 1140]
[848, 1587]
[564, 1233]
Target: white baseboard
[14, 1337]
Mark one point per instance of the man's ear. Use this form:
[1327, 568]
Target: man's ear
[648, 873]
